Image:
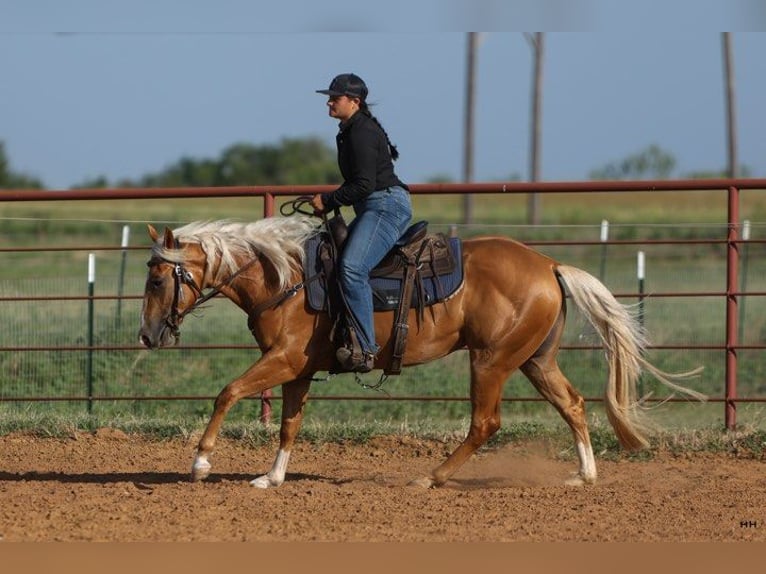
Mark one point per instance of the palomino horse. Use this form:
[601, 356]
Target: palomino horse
[509, 314]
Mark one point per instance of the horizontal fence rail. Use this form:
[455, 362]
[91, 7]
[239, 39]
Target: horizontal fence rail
[733, 243]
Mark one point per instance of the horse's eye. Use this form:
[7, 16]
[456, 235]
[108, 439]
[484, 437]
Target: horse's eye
[156, 282]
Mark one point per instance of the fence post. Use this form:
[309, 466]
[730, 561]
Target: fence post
[604, 239]
[743, 280]
[121, 280]
[268, 205]
[732, 316]
[268, 211]
[640, 274]
[89, 361]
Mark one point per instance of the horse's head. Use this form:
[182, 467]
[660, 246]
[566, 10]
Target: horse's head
[214, 255]
[170, 291]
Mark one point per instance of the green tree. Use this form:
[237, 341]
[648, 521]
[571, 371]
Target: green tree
[650, 163]
[291, 161]
[186, 172]
[93, 183]
[742, 171]
[303, 161]
[298, 161]
[440, 178]
[10, 179]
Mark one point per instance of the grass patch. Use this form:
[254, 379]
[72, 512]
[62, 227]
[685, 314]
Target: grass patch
[745, 443]
[748, 443]
[57, 425]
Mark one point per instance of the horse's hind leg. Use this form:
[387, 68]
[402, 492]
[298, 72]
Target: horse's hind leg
[488, 374]
[544, 373]
[546, 376]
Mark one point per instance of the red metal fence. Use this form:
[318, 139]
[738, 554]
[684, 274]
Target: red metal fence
[732, 241]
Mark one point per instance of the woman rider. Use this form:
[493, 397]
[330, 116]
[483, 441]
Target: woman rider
[381, 204]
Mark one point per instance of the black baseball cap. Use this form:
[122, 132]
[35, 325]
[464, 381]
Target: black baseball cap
[349, 85]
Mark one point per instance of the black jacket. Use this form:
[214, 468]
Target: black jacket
[364, 160]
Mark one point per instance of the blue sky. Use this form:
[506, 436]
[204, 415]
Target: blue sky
[121, 89]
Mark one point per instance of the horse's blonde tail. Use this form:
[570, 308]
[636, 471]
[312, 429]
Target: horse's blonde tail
[625, 342]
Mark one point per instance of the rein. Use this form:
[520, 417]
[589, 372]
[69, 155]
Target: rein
[182, 277]
[277, 299]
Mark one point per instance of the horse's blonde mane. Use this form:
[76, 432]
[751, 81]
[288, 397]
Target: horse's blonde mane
[279, 239]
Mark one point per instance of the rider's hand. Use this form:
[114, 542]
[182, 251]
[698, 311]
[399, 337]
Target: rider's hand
[317, 204]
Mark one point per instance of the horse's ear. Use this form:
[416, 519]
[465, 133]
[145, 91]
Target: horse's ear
[170, 241]
[153, 233]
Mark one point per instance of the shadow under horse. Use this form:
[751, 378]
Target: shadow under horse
[509, 314]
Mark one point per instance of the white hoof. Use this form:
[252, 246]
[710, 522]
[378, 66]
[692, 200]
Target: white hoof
[265, 482]
[580, 480]
[425, 482]
[200, 469]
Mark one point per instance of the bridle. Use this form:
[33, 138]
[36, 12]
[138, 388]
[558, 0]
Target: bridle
[182, 276]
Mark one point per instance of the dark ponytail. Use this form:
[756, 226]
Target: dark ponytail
[365, 109]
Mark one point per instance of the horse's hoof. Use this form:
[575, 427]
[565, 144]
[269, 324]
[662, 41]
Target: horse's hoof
[200, 470]
[425, 482]
[264, 482]
[579, 480]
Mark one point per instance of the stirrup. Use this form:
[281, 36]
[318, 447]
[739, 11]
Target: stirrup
[355, 363]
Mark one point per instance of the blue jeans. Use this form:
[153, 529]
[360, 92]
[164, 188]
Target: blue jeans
[380, 221]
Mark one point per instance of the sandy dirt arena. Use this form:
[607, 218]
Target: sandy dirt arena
[109, 486]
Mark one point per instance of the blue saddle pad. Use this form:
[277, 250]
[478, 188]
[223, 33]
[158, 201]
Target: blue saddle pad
[385, 291]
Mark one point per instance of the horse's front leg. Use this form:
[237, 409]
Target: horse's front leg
[294, 396]
[271, 370]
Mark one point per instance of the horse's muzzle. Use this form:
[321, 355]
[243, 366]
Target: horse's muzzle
[155, 340]
[147, 341]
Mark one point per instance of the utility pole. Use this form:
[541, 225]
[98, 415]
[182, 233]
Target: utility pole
[731, 115]
[537, 42]
[468, 143]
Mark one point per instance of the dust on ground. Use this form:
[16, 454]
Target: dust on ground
[110, 486]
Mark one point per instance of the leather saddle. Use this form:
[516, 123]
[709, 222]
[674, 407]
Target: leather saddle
[432, 254]
[420, 270]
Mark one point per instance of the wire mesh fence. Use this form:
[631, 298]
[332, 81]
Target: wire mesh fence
[63, 349]
[56, 355]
